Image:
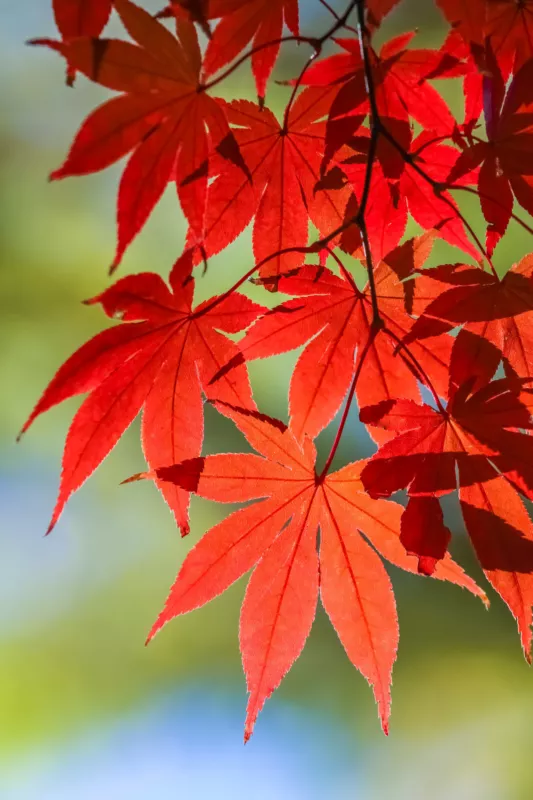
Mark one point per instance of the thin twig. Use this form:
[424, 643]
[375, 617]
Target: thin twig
[340, 22]
[242, 60]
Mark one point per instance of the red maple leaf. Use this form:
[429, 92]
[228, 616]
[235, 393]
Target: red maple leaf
[80, 18]
[278, 536]
[257, 22]
[242, 22]
[409, 190]
[499, 311]
[506, 167]
[333, 318]
[161, 359]
[283, 160]
[508, 24]
[163, 115]
[386, 210]
[480, 435]
[401, 87]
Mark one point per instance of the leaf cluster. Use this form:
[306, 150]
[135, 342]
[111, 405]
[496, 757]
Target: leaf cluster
[439, 360]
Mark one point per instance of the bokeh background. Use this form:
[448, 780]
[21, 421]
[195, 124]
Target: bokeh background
[86, 711]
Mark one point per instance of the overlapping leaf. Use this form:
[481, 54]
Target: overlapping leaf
[258, 23]
[163, 115]
[333, 318]
[505, 160]
[160, 359]
[400, 84]
[498, 311]
[480, 434]
[283, 160]
[80, 18]
[355, 172]
[508, 25]
[413, 192]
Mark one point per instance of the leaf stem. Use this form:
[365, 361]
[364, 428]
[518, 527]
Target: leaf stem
[415, 364]
[371, 336]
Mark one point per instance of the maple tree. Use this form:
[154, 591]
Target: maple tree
[438, 358]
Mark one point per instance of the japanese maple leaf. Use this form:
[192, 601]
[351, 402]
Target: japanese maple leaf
[508, 24]
[385, 212]
[80, 18]
[499, 311]
[333, 318]
[255, 22]
[506, 166]
[284, 163]
[278, 536]
[160, 359]
[479, 435]
[399, 76]
[242, 22]
[163, 115]
[414, 193]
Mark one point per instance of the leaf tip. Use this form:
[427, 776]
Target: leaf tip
[525, 638]
[160, 622]
[114, 266]
[151, 635]
[248, 730]
[56, 175]
[139, 476]
[41, 42]
[234, 362]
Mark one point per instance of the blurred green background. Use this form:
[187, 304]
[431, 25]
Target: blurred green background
[87, 712]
